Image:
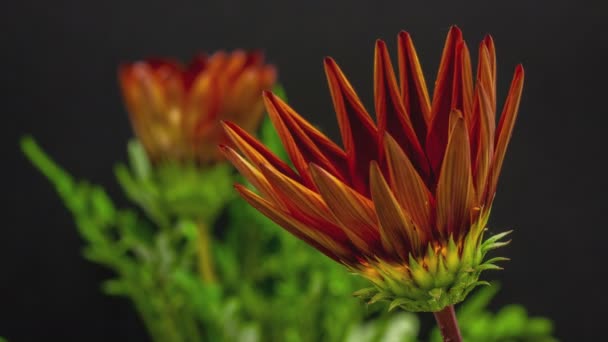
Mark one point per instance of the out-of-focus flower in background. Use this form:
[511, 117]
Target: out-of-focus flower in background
[175, 109]
[406, 201]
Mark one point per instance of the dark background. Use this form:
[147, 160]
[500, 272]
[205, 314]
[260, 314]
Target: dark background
[58, 75]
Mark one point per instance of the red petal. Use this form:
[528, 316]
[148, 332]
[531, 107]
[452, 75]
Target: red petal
[505, 128]
[413, 87]
[253, 175]
[398, 232]
[255, 151]
[356, 127]
[391, 114]
[327, 147]
[437, 137]
[300, 148]
[354, 212]
[455, 187]
[337, 247]
[409, 188]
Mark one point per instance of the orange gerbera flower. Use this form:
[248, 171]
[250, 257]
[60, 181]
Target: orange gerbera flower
[175, 110]
[406, 201]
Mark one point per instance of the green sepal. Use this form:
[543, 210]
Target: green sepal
[170, 189]
[437, 279]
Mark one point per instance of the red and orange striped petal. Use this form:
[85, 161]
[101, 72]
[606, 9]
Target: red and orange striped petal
[299, 146]
[437, 136]
[409, 187]
[354, 212]
[413, 87]
[398, 234]
[339, 250]
[253, 175]
[255, 151]
[490, 51]
[505, 128]
[485, 145]
[455, 186]
[328, 148]
[390, 112]
[356, 127]
[304, 204]
[462, 94]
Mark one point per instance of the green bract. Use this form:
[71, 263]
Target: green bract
[442, 277]
[175, 189]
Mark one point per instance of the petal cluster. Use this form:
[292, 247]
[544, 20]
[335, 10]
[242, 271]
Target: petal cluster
[176, 109]
[407, 196]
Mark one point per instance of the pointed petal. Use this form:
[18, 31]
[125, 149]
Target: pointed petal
[337, 249]
[256, 152]
[485, 144]
[391, 114]
[486, 71]
[303, 203]
[356, 127]
[485, 80]
[300, 148]
[354, 212]
[413, 87]
[398, 233]
[505, 127]
[464, 74]
[328, 148]
[253, 175]
[442, 101]
[489, 45]
[455, 186]
[409, 188]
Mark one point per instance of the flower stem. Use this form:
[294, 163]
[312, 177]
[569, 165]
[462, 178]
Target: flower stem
[205, 259]
[446, 320]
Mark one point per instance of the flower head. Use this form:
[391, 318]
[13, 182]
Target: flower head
[405, 202]
[175, 109]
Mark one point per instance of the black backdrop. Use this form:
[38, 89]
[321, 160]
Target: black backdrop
[59, 84]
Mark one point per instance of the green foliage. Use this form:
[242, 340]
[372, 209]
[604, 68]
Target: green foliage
[173, 190]
[273, 287]
[510, 324]
[288, 290]
[153, 267]
[401, 327]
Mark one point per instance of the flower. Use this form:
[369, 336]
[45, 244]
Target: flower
[406, 201]
[175, 110]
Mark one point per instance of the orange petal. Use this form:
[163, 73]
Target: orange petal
[455, 187]
[327, 147]
[489, 45]
[256, 152]
[463, 83]
[354, 212]
[305, 204]
[485, 145]
[337, 249]
[442, 101]
[409, 188]
[486, 71]
[397, 232]
[391, 114]
[505, 127]
[413, 86]
[253, 175]
[356, 127]
[299, 146]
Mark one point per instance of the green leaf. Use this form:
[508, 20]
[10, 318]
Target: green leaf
[138, 159]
